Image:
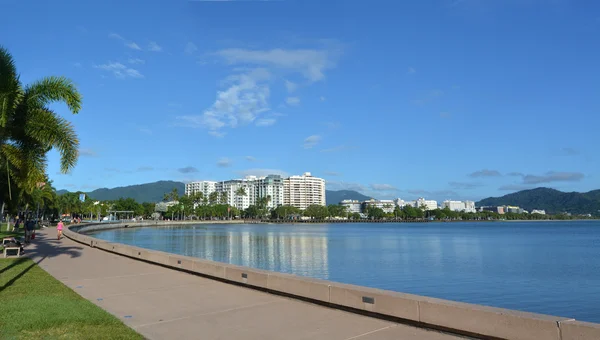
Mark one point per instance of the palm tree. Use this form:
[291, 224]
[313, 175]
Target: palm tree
[241, 192]
[29, 128]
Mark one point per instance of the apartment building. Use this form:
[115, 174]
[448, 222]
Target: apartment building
[205, 187]
[303, 191]
[352, 206]
[385, 205]
[426, 204]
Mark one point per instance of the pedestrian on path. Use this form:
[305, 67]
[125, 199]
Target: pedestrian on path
[59, 228]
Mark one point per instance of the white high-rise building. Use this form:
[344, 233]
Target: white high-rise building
[470, 206]
[205, 187]
[303, 191]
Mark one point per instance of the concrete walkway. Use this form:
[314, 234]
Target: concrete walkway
[162, 303]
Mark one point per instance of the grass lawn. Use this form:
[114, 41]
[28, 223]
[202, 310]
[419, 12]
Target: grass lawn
[35, 305]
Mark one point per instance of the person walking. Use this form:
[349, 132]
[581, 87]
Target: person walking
[59, 228]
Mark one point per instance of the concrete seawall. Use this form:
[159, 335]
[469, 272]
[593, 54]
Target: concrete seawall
[457, 317]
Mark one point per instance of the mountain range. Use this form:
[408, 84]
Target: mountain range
[154, 192]
[551, 200]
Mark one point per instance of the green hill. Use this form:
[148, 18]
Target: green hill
[335, 197]
[154, 192]
[551, 200]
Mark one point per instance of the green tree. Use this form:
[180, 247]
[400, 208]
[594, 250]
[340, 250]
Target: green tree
[29, 128]
[213, 198]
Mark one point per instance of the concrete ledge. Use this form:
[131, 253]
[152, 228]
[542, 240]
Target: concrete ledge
[577, 330]
[399, 305]
[457, 317]
[489, 321]
[312, 289]
[248, 276]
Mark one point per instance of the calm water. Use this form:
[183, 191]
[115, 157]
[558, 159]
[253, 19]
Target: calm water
[544, 267]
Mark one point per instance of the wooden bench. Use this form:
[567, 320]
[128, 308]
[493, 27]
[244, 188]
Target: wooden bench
[6, 249]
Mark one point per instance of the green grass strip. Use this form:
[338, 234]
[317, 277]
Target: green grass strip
[34, 305]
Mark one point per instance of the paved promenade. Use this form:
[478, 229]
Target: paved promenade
[162, 303]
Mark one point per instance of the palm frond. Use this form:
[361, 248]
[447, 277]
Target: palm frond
[51, 130]
[11, 92]
[53, 89]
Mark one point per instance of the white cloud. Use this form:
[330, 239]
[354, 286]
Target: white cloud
[411, 70]
[250, 159]
[265, 122]
[133, 46]
[190, 48]
[262, 172]
[115, 36]
[224, 162]
[78, 65]
[245, 97]
[311, 141]
[383, 187]
[119, 70]
[136, 61]
[154, 47]
[87, 153]
[292, 101]
[239, 104]
[217, 134]
[322, 98]
[311, 63]
[290, 86]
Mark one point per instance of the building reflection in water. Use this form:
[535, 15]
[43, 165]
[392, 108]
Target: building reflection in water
[265, 247]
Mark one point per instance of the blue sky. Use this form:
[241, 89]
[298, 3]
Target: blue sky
[443, 99]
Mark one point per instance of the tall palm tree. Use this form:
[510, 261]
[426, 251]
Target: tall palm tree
[29, 128]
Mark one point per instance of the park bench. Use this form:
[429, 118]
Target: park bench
[7, 249]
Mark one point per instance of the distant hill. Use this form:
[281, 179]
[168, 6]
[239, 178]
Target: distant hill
[154, 192]
[551, 200]
[149, 192]
[335, 197]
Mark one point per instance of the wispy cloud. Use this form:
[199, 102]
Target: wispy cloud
[188, 170]
[515, 174]
[246, 98]
[262, 172]
[224, 162]
[133, 46]
[383, 187]
[154, 47]
[464, 186]
[553, 176]
[265, 121]
[290, 86]
[87, 153]
[332, 125]
[445, 115]
[514, 187]
[190, 48]
[119, 70]
[145, 130]
[322, 98]
[569, 151]
[311, 141]
[339, 148]
[411, 70]
[429, 97]
[145, 169]
[292, 101]
[332, 173]
[136, 61]
[485, 173]
[77, 65]
[250, 159]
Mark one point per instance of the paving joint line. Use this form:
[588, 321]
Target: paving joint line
[210, 313]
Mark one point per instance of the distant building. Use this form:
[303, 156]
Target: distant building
[426, 204]
[536, 211]
[352, 206]
[386, 205]
[469, 206]
[401, 203]
[205, 187]
[303, 191]
[453, 205]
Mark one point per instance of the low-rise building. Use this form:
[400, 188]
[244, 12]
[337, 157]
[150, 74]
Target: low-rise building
[426, 204]
[538, 211]
[352, 206]
[386, 205]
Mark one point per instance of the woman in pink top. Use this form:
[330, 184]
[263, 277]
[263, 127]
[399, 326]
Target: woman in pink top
[59, 227]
